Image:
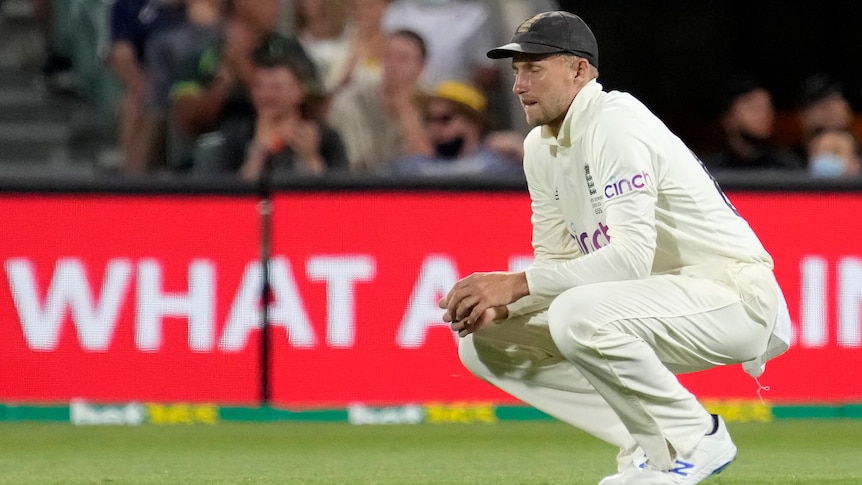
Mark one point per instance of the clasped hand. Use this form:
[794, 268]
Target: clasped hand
[480, 298]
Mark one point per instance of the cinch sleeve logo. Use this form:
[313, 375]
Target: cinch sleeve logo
[617, 187]
[591, 240]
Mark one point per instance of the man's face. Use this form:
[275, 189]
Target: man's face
[402, 61]
[839, 143]
[276, 90]
[545, 85]
[444, 122]
[753, 114]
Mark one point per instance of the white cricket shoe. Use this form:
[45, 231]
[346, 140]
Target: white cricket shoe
[711, 455]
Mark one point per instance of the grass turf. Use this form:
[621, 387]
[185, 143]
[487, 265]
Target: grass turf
[511, 453]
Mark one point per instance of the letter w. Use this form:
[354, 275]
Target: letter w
[69, 286]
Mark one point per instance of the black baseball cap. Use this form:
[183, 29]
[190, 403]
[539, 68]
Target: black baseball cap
[550, 33]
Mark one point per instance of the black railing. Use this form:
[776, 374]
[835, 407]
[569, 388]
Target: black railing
[112, 184]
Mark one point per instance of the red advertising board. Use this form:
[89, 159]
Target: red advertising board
[156, 298]
[415, 247]
[96, 295]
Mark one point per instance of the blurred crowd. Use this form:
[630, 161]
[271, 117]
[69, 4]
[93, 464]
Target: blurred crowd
[820, 136]
[376, 87]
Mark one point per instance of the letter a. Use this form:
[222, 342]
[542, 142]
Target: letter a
[436, 277]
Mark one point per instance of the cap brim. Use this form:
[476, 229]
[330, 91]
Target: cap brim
[509, 50]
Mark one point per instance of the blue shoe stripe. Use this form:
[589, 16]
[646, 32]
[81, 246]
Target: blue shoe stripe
[682, 467]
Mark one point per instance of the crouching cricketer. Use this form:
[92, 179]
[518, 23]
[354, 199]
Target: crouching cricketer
[643, 270]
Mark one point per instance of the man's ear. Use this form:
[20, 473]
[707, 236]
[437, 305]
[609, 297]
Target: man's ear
[576, 68]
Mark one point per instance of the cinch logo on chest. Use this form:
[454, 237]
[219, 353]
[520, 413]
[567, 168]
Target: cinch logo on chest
[589, 242]
[617, 187]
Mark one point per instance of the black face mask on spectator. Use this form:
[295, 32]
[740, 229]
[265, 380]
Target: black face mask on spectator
[451, 148]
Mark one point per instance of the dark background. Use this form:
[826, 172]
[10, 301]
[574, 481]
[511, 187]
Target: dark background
[675, 55]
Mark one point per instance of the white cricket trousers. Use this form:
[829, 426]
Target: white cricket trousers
[603, 357]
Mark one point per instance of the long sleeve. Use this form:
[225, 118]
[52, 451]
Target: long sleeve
[621, 157]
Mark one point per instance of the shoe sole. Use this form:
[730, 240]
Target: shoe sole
[721, 468]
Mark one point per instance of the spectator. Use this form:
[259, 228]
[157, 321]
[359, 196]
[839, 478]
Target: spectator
[214, 93]
[456, 129]
[457, 32]
[170, 52]
[833, 152]
[381, 120]
[823, 105]
[747, 121]
[282, 132]
[133, 24]
[362, 61]
[321, 29]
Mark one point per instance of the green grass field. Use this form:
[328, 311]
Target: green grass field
[508, 453]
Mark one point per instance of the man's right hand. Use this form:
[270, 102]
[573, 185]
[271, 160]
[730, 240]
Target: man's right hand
[462, 326]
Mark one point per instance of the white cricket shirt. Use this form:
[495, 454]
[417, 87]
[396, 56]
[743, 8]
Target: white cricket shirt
[617, 179]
